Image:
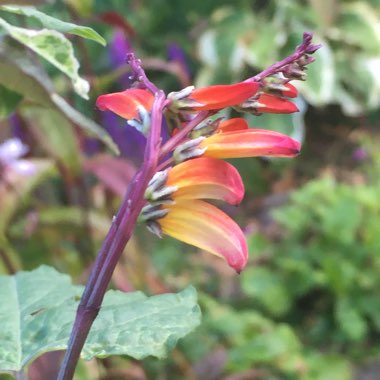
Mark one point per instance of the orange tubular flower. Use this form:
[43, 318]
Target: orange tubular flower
[199, 223]
[235, 143]
[126, 103]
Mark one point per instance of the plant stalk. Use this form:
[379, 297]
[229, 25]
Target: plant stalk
[113, 245]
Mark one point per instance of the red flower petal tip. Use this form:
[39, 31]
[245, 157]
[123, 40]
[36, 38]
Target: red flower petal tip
[126, 103]
[273, 104]
[290, 92]
[222, 96]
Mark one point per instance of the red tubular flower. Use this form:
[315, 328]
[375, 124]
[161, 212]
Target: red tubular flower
[199, 223]
[290, 92]
[267, 103]
[126, 103]
[250, 143]
[219, 96]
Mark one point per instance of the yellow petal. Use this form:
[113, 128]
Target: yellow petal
[200, 224]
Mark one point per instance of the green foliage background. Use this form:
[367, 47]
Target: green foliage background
[308, 305]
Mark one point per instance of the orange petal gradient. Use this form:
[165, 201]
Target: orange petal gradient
[222, 96]
[125, 103]
[200, 224]
[275, 104]
[207, 178]
[231, 125]
[250, 143]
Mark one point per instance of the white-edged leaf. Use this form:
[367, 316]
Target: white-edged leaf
[359, 25]
[38, 309]
[50, 22]
[19, 73]
[55, 48]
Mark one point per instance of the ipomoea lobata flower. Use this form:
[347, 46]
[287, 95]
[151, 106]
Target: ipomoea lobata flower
[212, 97]
[133, 104]
[176, 208]
[233, 139]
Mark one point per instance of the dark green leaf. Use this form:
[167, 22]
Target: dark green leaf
[52, 128]
[8, 101]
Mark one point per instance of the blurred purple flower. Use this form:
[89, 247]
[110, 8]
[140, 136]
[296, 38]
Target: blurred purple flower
[10, 153]
[16, 126]
[129, 140]
[177, 54]
[118, 50]
[360, 154]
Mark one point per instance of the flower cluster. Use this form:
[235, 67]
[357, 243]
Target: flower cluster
[191, 167]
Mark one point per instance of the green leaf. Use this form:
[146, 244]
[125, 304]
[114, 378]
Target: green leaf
[58, 25]
[52, 128]
[279, 346]
[350, 320]
[359, 25]
[21, 74]
[8, 101]
[55, 48]
[328, 367]
[38, 309]
[267, 288]
[83, 122]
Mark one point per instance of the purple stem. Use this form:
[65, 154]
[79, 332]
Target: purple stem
[117, 236]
